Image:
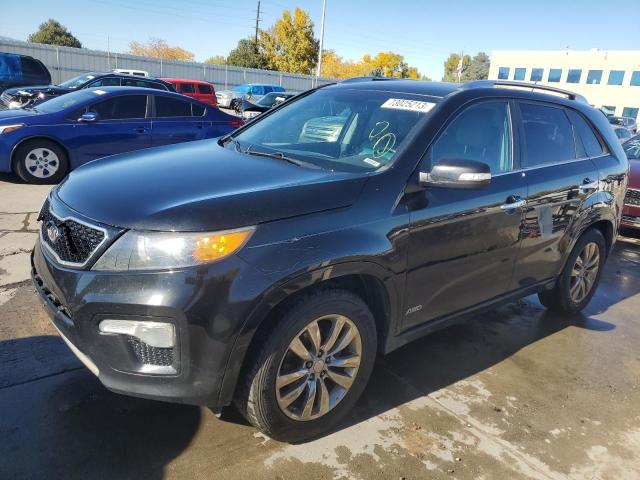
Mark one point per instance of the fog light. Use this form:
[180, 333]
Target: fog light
[154, 334]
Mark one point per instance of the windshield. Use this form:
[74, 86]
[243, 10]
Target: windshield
[632, 149]
[242, 88]
[75, 82]
[337, 128]
[70, 100]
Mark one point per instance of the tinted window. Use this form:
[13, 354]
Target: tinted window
[268, 89]
[197, 110]
[187, 88]
[105, 82]
[555, 74]
[594, 77]
[135, 82]
[536, 74]
[610, 109]
[632, 149]
[574, 76]
[482, 132]
[156, 85]
[630, 112]
[635, 79]
[616, 77]
[126, 106]
[278, 89]
[503, 73]
[548, 134]
[257, 90]
[32, 68]
[172, 107]
[205, 89]
[592, 146]
[623, 133]
[519, 73]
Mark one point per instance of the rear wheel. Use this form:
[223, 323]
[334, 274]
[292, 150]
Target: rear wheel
[312, 368]
[577, 283]
[41, 161]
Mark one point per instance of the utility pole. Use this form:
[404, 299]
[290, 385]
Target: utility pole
[324, 8]
[257, 22]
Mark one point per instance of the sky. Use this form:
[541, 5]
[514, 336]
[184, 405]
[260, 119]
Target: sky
[424, 32]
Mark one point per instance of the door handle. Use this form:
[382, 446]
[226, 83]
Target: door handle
[587, 185]
[516, 203]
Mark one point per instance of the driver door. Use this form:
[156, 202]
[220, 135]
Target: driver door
[463, 243]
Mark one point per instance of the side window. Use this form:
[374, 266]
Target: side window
[267, 89]
[32, 69]
[155, 85]
[593, 145]
[197, 110]
[105, 82]
[118, 108]
[172, 107]
[547, 133]
[205, 89]
[257, 90]
[482, 132]
[187, 88]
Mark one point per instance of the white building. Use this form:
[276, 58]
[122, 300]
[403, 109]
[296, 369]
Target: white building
[608, 79]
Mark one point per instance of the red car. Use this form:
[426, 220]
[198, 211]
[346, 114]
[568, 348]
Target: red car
[197, 89]
[631, 212]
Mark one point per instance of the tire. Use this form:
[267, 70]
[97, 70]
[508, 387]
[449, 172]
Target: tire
[265, 406]
[40, 161]
[562, 298]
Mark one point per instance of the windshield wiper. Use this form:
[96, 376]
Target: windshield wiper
[279, 156]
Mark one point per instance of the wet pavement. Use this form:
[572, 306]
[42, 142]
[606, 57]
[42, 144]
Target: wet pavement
[514, 393]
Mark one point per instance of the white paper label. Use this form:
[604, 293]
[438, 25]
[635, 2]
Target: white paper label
[371, 161]
[411, 105]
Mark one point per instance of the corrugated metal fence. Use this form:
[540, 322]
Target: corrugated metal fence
[67, 62]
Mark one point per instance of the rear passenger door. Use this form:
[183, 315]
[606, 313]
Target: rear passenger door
[560, 177]
[176, 120]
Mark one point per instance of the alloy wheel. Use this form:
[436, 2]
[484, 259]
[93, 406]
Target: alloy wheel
[584, 272]
[319, 367]
[42, 162]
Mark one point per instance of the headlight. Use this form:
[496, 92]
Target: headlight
[167, 250]
[10, 128]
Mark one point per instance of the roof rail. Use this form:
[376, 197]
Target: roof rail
[368, 79]
[523, 85]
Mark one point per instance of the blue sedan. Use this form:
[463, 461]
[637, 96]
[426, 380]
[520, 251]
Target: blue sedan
[44, 143]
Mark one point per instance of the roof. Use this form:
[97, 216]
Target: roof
[419, 87]
[189, 80]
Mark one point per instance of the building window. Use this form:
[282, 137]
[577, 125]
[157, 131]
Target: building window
[635, 79]
[594, 77]
[503, 73]
[609, 109]
[630, 112]
[574, 75]
[536, 74]
[554, 75]
[519, 73]
[616, 77]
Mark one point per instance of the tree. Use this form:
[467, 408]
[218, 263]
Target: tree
[53, 32]
[247, 54]
[216, 60]
[159, 48]
[478, 69]
[289, 45]
[451, 65]
[384, 64]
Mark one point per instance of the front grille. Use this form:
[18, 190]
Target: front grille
[148, 355]
[632, 197]
[74, 243]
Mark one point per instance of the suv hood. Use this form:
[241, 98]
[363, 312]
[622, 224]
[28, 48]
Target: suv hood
[200, 186]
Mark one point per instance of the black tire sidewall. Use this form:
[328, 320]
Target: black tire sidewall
[279, 425]
[21, 155]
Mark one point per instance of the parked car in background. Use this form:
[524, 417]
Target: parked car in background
[29, 96]
[252, 91]
[625, 122]
[631, 212]
[21, 70]
[135, 73]
[43, 143]
[622, 133]
[269, 268]
[198, 89]
[267, 102]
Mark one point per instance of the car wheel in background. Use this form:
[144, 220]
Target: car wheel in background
[40, 161]
[312, 368]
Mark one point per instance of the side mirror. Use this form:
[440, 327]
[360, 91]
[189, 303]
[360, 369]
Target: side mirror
[457, 173]
[88, 117]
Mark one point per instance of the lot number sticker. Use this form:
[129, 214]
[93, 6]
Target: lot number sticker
[411, 105]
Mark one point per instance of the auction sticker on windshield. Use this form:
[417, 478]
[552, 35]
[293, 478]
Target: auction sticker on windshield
[411, 105]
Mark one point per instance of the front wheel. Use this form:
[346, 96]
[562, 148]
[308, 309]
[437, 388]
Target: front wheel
[41, 161]
[312, 368]
[577, 283]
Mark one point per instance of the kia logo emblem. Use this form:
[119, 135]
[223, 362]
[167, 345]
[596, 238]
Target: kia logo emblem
[53, 232]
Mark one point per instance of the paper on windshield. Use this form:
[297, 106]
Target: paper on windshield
[411, 105]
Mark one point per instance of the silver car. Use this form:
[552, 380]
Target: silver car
[250, 91]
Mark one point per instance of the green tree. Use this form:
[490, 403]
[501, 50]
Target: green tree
[451, 65]
[247, 54]
[53, 32]
[478, 69]
[216, 60]
[289, 45]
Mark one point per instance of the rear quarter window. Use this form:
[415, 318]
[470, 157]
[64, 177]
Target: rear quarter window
[591, 142]
[187, 88]
[205, 89]
[548, 134]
